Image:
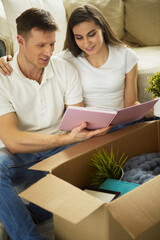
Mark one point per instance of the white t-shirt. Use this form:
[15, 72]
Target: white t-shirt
[104, 87]
[39, 108]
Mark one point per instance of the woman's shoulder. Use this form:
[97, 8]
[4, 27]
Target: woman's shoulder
[122, 49]
[118, 48]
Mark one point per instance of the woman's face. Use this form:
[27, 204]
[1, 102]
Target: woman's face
[89, 37]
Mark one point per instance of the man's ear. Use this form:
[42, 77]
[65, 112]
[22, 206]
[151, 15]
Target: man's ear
[20, 40]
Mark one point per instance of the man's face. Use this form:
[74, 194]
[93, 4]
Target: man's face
[37, 47]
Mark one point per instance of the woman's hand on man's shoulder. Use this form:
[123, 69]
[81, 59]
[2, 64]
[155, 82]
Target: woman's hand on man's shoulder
[5, 68]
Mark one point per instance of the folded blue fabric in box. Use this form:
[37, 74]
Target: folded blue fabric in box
[140, 169]
[118, 186]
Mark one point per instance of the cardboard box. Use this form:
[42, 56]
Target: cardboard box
[79, 216]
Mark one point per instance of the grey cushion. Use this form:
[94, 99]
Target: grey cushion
[140, 169]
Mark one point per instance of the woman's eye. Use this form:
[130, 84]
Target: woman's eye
[92, 35]
[78, 38]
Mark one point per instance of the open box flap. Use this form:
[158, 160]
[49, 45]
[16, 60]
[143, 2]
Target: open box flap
[82, 148]
[61, 198]
[52, 162]
[139, 209]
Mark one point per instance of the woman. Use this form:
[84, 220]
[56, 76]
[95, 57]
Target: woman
[106, 66]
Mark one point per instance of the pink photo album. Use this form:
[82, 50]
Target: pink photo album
[99, 118]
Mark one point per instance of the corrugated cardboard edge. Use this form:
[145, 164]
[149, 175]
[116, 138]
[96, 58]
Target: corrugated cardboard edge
[82, 148]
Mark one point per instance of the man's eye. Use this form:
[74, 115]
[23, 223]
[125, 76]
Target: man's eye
[42, 45]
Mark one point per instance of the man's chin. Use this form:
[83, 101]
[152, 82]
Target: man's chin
[44, 63]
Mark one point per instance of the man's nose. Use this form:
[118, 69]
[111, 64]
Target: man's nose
[48, 51]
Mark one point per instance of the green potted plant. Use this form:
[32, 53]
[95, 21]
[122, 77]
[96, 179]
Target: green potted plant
[106, 165]
[154, 88]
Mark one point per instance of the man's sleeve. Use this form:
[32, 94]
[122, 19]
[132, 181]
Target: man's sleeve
[73, 91]
[5, 103]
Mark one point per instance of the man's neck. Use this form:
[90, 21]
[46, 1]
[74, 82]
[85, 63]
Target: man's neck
[29, 70]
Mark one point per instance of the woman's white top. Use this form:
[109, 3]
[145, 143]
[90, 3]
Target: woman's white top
[104, 87]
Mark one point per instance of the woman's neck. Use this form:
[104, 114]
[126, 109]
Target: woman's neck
[99, 59]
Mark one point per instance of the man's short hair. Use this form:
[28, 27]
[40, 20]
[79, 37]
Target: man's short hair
[35, 18]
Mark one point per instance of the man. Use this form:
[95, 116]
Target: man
[32, 102]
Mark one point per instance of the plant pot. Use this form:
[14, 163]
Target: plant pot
[157, 108]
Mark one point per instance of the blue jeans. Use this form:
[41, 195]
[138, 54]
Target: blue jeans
[14, 173]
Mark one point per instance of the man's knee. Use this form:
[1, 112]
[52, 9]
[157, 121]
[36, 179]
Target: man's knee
[6, 158]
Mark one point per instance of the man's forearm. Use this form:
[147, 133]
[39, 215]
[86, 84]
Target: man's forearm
[27, 142]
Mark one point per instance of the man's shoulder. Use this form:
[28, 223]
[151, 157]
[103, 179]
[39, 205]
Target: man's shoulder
[4, 79]
[59, 62]
[65, 54]
[58, 58]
